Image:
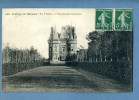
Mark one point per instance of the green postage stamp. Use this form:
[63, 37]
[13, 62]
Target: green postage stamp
[114, 19]
[123, 19]
[104, 19]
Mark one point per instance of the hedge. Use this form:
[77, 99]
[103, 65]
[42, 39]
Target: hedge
[121, 71]
[13, 68]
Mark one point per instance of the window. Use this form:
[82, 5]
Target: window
[63, 49]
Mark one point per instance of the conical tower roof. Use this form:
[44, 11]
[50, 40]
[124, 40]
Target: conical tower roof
[55, 35]
[51, 34]
[50, 37]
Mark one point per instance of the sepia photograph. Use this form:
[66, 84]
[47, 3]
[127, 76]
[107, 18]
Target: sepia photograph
[67, 50]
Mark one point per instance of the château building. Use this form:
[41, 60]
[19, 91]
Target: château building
[62, 45]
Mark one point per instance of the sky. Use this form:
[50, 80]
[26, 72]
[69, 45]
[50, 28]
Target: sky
[23, 28]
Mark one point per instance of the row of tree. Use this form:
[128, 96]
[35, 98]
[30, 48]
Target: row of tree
[14, 55]
[109, 46]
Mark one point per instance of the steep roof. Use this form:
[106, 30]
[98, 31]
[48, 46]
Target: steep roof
[55, 36]
[62, 36]
[50, 37]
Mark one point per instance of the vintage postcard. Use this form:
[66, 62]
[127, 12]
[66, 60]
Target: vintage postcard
[67, 49]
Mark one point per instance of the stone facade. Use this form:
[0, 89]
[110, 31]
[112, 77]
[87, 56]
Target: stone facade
[62, 44]
[82, 55]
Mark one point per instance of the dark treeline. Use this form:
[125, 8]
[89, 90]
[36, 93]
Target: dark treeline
[110, 46]
[14, 55]
[109, 53]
